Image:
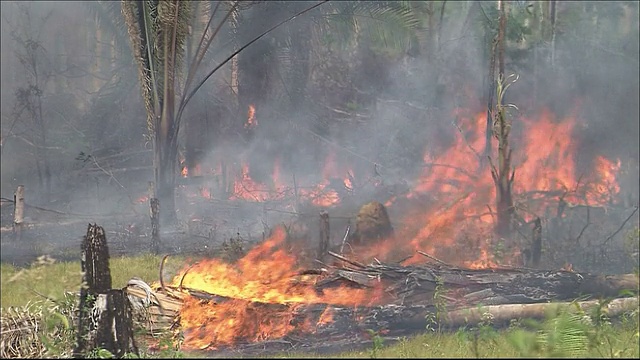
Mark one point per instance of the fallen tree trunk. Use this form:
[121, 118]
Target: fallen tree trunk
[410, 296]
[324, 322]
[417, 284]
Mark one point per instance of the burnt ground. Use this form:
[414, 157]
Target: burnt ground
[203, 225]
[591, 239]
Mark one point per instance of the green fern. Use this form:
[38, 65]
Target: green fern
[565, 335]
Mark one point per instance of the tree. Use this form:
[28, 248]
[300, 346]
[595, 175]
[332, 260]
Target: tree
[158, 31]
[29, 98]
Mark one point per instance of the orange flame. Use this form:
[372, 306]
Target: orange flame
[251, 118]
[456, 195]
[254, 286]
[448, 213]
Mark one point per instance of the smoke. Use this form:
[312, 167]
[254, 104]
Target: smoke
[373, 107]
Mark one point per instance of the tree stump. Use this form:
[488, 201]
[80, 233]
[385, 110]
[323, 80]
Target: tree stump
[372, 223]
[105, 320]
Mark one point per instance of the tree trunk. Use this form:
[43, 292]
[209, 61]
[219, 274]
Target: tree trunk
[503, 176]
[431, 31]
[552, 23]
[490, 86]
[300, 51]
[167, 146]
[502, 28]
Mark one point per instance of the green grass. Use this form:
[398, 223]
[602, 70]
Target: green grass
[21, 285]
[621, 341]
[562, 336]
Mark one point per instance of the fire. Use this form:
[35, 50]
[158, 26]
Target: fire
[251, 118]
[449, 213]
[246, 188]
[456, 196]
[262, 292]
[142, 199]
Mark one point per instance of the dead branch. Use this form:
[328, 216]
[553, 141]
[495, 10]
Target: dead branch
[344, 239]
[352, 262]
[585, 225]
[433, 258]
[463, 171]
[467, 143]
[621, 226]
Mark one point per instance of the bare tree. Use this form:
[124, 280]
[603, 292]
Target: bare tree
[28, 107]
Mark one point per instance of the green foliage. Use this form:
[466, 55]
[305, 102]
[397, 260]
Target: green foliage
[377, 343]
[632, 245]
[385, 26]
[21, 285]
[434, 320]
[100, 354]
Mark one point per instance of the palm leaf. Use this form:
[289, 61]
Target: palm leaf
[108, 16]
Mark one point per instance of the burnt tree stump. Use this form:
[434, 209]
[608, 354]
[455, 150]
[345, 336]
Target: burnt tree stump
[105, 320]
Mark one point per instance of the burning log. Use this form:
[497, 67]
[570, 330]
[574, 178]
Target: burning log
[322, 323]
[105, 319]
[405, 295]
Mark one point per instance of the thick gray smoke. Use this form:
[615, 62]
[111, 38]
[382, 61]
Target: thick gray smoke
[374, 97]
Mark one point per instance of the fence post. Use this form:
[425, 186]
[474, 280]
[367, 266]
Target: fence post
[18, 212]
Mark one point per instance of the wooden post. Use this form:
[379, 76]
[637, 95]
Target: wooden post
[104, 320]
[154, 214]
[151, 189]
[296, 198]
[324, 235]
[18, 212]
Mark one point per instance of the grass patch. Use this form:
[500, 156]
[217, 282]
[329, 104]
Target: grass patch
[21, 285]
[564, 336]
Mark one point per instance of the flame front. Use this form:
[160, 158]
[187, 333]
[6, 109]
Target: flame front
[449, 213]
[456, 194]
[254, 287]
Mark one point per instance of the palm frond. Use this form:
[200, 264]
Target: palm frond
[108, 16]
[133, 15]
[390, 24]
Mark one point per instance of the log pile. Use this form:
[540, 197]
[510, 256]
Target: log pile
[415, 292]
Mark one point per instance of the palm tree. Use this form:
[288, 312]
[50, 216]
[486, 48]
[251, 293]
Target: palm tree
[158, 30]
